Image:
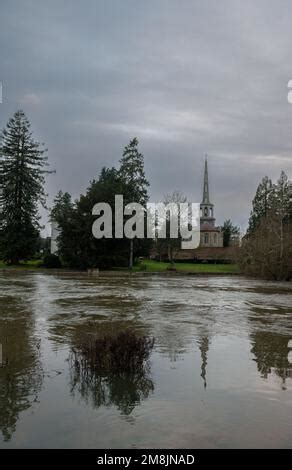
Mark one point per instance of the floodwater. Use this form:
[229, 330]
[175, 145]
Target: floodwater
[219, 374]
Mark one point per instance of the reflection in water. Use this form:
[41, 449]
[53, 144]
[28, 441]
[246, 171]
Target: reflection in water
[269, 345]
[21, 377]
[271, 354]
[173, 341]
[124, 391]
[203, 343]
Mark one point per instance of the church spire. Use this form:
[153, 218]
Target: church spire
[206, 184]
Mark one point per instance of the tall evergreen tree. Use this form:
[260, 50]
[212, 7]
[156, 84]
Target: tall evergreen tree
[132, 175]
[62, 208]
[261, 203]
[282, 197]
[22, 178]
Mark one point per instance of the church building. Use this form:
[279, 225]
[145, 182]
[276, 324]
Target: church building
[211, 236]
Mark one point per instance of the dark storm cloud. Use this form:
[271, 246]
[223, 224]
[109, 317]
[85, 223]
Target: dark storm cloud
[186, 77]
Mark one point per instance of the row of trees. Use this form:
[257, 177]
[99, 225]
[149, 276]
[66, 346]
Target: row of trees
[267, 247]
[23, 168]
[77, 246]
[266, 250]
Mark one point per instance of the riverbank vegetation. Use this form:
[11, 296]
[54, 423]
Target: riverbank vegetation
[145, 265]
[266, 250]
[29, 264]
[205, 268]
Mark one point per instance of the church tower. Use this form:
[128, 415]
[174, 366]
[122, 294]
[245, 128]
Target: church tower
[211, 236]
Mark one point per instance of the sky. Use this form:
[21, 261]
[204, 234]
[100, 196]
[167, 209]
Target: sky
[187, 77]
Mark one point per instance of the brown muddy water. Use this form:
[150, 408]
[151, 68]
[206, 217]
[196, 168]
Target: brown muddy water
[219, 374]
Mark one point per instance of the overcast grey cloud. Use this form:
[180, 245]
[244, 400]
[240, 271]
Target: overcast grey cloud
[186, 77]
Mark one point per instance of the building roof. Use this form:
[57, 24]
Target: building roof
[208, 228]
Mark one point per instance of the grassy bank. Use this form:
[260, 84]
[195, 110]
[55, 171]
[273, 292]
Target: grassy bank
[149, 266]
[159, 266]
[31, 264]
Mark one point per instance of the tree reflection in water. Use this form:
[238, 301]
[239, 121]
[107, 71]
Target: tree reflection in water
[270, 347]
[271, 354]
[125, 391]
[22, 377]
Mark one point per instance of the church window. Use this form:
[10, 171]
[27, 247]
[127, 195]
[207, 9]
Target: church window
[206, 238]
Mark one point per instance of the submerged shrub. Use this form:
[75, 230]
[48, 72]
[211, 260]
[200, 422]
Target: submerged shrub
[107, 353]
[110, 368]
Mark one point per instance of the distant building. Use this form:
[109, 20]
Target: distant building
[54, 235]
[211, 247]
[211, 236]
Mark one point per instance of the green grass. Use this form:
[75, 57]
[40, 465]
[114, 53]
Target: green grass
[30, 264]
[150, 266]
[159, 266]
